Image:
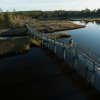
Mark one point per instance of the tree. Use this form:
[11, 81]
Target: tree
[1, 19]
[8, 18]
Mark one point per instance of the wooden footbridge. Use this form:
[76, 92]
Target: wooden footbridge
[86, 64]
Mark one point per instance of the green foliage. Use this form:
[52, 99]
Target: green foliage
[8, 19]
[1, 19]
[15, 46]
[60, 14]
[15, 18]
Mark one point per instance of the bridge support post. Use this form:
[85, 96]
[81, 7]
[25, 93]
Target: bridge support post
[42, 39]
[64, 54]
[64, 51]
[93, 71]
[55, 48]
[75, 59]
[85, 75]
[47, 43]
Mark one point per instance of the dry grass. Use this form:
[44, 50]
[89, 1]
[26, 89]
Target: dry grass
[12, 32]
[87, 19]
[59, 35]
[48, 26]
[15, 46]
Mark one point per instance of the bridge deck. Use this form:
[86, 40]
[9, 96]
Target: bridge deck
[35, 76]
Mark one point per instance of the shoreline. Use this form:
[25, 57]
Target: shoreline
[59, 35]
[86, 19]
[47, 32]
[50, 26]
[70, 29]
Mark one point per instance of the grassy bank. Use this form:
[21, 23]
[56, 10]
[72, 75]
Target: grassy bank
[86, 19]
[16, 46]
[59, 35]
[48, 26]
[12, 32]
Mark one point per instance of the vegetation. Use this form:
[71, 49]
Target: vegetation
[18, 31]
[49, 26]
[18, 18]
[59, 35]
[9, 19]
[16, 45]
[61, 14]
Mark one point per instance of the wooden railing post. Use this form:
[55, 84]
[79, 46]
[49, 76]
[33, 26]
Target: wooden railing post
[93, 73]
[41, 38]
[55, 50]
[47, 42]
[85, 75]
[75, 58]
[89, 52]
[64, 51]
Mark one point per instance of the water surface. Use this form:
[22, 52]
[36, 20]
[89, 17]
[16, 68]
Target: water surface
[88, 37]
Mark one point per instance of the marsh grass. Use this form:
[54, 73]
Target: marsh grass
[48, 26]
[59, 35]
[87, 19]
[16, 46]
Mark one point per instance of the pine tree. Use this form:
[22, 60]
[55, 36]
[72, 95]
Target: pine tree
[8, 18]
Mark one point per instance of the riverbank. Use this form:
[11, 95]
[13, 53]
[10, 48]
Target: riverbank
[86, 19]
[50, 26]
[13, 32]
[59, 35]
[15, 46]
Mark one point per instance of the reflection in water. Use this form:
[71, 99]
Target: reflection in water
[86, 22]
[97, 22]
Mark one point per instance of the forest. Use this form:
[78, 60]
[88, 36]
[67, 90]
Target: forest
[61, 14]
[15, 18]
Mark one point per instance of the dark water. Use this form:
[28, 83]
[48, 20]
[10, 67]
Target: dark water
[35, 76]
[88, 37]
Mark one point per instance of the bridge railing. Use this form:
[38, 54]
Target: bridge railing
[85, 64]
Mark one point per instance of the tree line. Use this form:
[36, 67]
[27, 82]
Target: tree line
[61, 14]
[9, 19]
[15, 17]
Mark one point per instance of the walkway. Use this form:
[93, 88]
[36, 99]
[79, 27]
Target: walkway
[35, 76]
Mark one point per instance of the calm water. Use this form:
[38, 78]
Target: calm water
[88, 37]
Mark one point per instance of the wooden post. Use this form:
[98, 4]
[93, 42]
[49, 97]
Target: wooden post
[55, 45]
[47, 42]
[93, 73]
[89, 51]
[75, 59]
[64, 52]
[85, 66]
[41, 39]
[55, 49]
